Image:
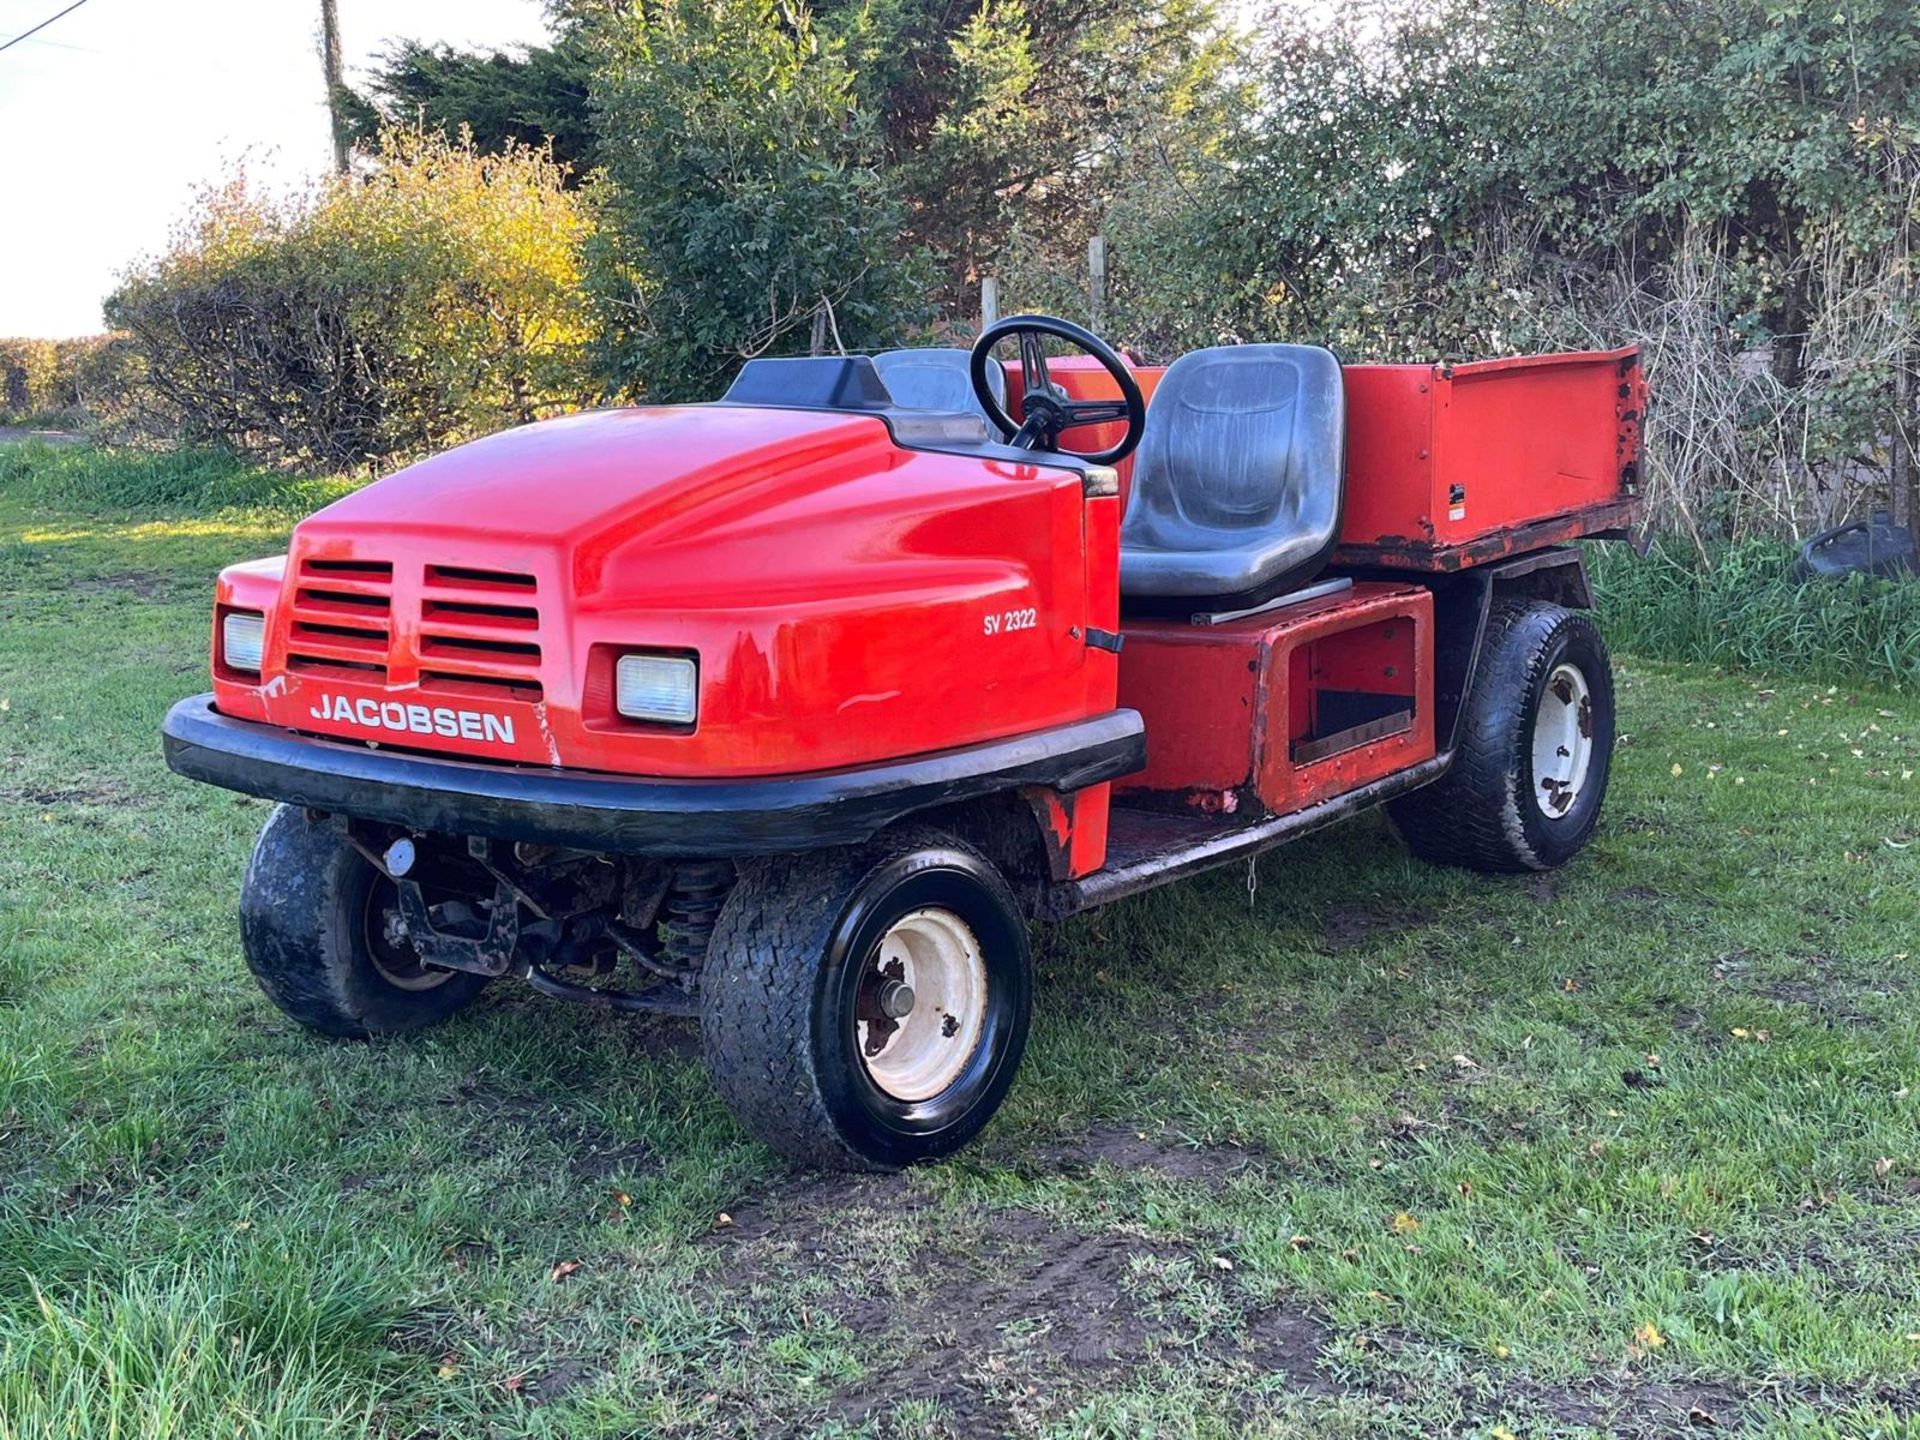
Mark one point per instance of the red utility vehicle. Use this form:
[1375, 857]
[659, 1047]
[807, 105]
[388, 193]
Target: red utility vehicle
[794, 709]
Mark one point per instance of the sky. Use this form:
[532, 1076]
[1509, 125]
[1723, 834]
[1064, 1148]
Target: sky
[113, 115]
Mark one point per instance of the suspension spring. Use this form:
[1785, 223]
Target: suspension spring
[692, 906]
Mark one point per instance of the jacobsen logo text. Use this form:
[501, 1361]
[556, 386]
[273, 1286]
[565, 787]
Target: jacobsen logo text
[438, 720]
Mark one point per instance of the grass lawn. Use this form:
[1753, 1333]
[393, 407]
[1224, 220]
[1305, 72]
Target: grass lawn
[1375, 1150]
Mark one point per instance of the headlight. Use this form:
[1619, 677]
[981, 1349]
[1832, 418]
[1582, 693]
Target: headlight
[243, 637]
[662, 688]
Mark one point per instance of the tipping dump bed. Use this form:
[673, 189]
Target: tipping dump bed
[1454, 465]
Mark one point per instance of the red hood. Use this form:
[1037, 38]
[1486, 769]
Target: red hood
[602, 473]
[845, 599]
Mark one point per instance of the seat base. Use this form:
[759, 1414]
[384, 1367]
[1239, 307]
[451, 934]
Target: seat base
[1298, 578]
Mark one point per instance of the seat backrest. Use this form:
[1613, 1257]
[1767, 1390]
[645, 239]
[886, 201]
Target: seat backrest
[1237, 486]
[937, 380]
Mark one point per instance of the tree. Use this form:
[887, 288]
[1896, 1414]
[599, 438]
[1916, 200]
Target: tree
[534, 98]
[1005, 113]
[990, 114]
[743, 193]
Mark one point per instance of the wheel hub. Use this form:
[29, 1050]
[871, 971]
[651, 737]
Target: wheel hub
[1562, 741]
[390, 947]
[922, 1004]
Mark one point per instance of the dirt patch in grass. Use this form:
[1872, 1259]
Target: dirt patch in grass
[145, 585]
[76, 790]
[1349, 927]
[1137, 1152]
[549, 1384]
[1647, 1406]
[593, 1152]
[1001, 1313]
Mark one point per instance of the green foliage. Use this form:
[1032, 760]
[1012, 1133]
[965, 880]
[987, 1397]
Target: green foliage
[1745, 609]
[183, 481]
[1735, 185]
[743, 195]
[1386, 144]
[64, 381]
[1012, 113]
[434, 298]
[26, 378]
[535, 99]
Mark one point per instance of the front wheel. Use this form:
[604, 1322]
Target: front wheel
[867, 1008]
[1536, 745]
[322, 933]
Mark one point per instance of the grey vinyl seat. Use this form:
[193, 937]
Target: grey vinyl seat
[1239, 481]
[936, 379]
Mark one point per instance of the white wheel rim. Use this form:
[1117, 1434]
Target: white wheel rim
[919, 1054]
[1562, 741]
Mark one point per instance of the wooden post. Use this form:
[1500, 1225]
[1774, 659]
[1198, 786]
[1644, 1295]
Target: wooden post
[332, 62]
[819, 343]
[1097, 283]
[989, 301]
[1904, 490]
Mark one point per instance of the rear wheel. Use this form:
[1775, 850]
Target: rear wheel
[1536, 745]
[867, 1008]
[322, 932]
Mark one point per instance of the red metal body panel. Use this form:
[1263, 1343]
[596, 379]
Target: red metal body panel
[1448, 466]
[848, 601]
[1228, 706]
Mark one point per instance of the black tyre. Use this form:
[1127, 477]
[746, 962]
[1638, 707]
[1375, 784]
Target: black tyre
[315, 924]
[866, 1008]
[1536, 744]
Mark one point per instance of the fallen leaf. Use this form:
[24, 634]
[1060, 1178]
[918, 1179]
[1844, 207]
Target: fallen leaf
[1699, 1415]
[1883, 1167]
[1221, 1262]
[1649, 1337]
[564, 1269]
[621, 1197]
[1299, 1242]
[1678, 770]
[1403, 1224]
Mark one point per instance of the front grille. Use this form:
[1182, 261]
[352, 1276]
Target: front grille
[342, 618]
[480, 632]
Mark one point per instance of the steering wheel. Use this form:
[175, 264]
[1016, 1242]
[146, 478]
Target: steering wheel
[1048, 410]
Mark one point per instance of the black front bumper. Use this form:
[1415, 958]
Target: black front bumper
[616, 814]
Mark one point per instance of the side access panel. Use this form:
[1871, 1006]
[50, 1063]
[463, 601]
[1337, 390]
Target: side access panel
[1280, 711]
